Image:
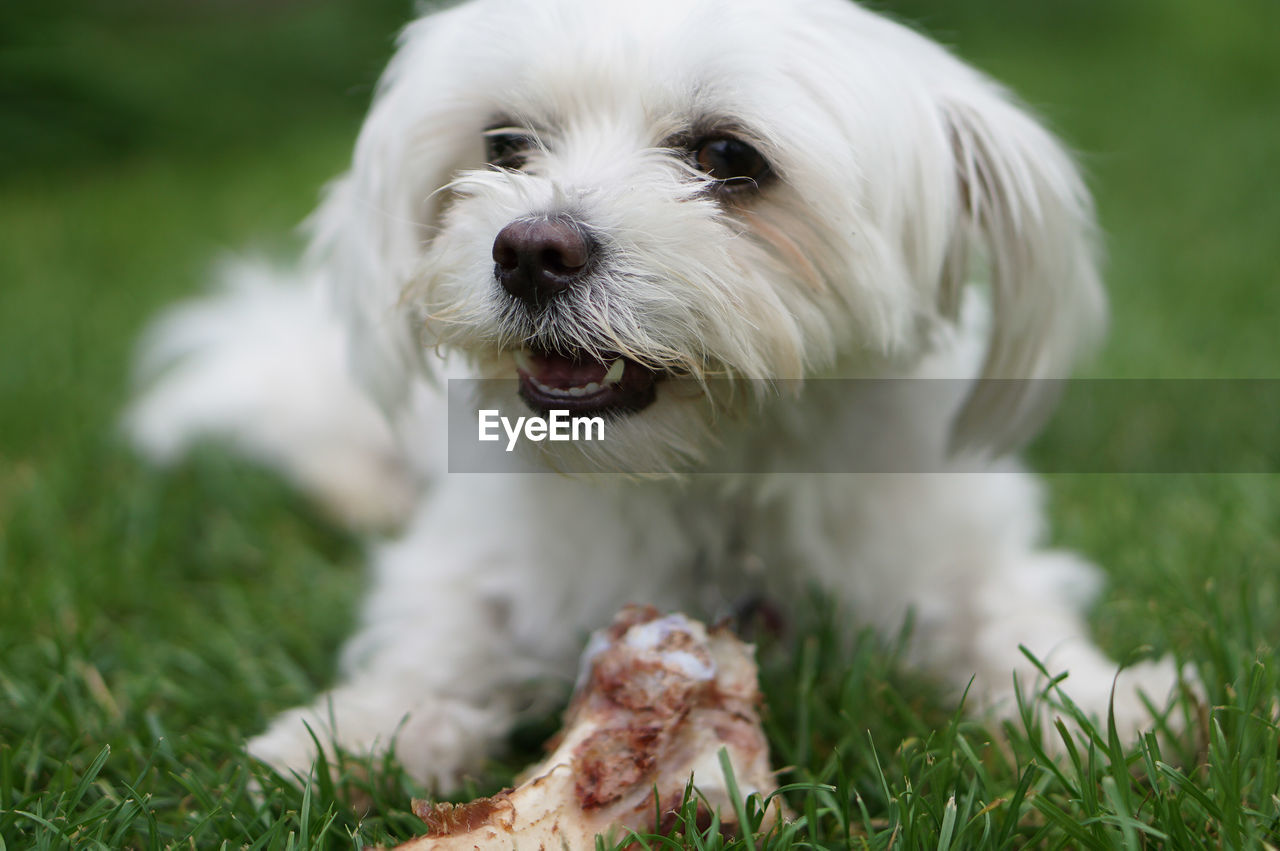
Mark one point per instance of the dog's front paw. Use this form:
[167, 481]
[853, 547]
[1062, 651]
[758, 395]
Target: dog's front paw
[437, 740]
[1159, 682]
[1136, 697]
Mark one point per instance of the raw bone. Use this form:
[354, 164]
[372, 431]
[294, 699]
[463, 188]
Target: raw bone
[657, 700]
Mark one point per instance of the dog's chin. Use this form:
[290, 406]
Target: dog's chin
[584, 384]
[655, 424]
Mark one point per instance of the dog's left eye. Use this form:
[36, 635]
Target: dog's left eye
[731, 161]
[506, 149]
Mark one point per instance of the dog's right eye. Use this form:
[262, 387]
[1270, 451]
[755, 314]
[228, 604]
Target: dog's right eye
[506, 149]
[732, 162]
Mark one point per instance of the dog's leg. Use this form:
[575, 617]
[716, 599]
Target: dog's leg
[495, 586]
[961, 554]
[1030, 603]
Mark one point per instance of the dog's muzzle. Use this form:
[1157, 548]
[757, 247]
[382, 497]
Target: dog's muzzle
[536, 260]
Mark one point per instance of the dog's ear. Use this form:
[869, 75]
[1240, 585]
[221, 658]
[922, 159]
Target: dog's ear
[1027, 219]
[368, 234]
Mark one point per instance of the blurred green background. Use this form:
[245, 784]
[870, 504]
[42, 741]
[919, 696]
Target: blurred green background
[139, 139]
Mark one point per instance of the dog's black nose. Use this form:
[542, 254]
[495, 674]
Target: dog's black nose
[536, 258]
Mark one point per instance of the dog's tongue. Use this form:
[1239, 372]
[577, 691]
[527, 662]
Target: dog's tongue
[561, 372]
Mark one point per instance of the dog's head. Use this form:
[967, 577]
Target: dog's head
[599, 197]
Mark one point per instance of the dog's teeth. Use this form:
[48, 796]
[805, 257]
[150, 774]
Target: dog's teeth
[525, 363]
[585, 390]
[567, 392]
[614, 375]
[550, 391]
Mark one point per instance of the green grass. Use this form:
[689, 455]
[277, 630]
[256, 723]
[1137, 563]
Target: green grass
[150, 621]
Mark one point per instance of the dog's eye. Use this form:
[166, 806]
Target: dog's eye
[506, 149]
[731, 161]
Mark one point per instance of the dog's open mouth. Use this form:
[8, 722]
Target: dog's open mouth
[581, 384]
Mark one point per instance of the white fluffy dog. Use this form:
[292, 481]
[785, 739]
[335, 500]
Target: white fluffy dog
[604, 203]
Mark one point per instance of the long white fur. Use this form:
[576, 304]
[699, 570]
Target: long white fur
[900, 171]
